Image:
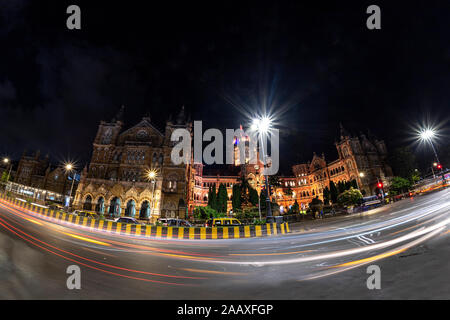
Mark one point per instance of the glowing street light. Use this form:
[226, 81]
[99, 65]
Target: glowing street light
[262, 126]
[151, 175]
[6, 161]
[361, 174]
[69, 167]
[427, 135]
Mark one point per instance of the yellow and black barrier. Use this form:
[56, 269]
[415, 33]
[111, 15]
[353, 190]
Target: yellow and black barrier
[191, 233]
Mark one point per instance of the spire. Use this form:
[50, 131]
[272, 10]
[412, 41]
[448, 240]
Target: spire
[119, 115]
[181, 116]
[344, 132]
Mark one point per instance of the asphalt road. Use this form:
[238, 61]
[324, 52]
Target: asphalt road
[325, 259]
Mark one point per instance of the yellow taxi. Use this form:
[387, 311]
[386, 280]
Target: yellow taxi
[87, 214]
[222, 222]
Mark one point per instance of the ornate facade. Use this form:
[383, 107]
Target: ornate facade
[360, 158]
[37, 172]
[116, 180]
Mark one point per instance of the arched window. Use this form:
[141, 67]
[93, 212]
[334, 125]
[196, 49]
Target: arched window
[87, 203]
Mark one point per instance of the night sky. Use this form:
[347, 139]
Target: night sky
[312, 66]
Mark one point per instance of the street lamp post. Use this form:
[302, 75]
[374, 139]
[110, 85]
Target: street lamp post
[151, 175]
[262, 126]
[428, 135]
[69, 168]
[6, 160]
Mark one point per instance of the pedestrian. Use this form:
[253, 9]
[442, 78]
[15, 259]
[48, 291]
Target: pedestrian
[321, 213]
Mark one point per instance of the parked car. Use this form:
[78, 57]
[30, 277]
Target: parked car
[223, 222]
[178, 223]
[55, 206]
[86, 214]
[128, 220]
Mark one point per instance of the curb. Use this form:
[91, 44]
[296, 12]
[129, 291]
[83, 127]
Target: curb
[182, 233]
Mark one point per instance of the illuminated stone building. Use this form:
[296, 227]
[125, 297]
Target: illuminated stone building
[37, 172]
[360, 158]
[116, 181]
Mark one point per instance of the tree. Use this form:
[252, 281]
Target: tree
[222, 198]
[316, 205]
[399, 185]
[295, 208]
[253, 196]
[212, 198]
[333, 192]
[350, 197]
[326, 196]
[403, 162]
[275, 182]
[5, 176]
[236, 197]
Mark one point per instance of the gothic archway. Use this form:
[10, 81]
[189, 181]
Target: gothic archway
[87, 205]
[130, 210]
[114, 207]
[100, 206]
[144, 213]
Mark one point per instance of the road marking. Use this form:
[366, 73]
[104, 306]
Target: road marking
[268, 254]
[214, 272]
[379, 256]
[86, 239]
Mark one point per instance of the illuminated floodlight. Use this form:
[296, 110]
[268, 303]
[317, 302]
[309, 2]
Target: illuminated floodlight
[5, 160]
[262, 125]
[427, 134]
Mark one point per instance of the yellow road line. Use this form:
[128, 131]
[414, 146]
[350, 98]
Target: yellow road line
[191, 233]
[100, 225]
[118, 227]
[379, 256]
[169, 232]
[268, 229]
[109, 227]
[86, 239]
[34, 221]
[180, 233]
[128, 229]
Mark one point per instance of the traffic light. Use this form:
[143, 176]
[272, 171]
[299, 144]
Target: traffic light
[439, 166]
[380, 185]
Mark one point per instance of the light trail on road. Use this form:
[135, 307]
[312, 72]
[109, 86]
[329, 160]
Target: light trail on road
[234, 266]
